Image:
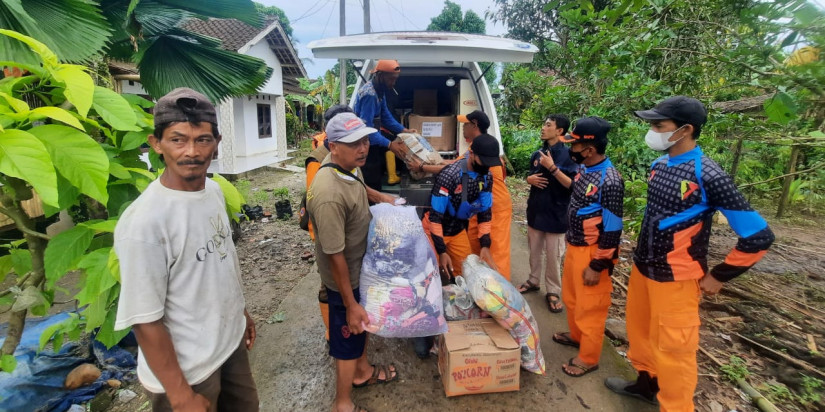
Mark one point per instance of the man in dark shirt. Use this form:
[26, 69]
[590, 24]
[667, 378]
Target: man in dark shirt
[547, 209]
[593, 235]
[371, 107]
[670, 269]
[461, 190]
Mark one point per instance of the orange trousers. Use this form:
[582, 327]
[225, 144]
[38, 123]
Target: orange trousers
[458, 246]
[500, 225]
[663, 331]
[586, 305]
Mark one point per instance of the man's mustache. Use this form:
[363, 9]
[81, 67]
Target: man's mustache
[191, 162]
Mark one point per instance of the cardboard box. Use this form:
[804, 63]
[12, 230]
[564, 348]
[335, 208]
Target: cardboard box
[478, 356]
[425, 102]
[439, 130]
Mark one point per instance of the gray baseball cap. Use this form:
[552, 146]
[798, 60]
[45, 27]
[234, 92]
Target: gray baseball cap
[347, 128]
[184, 105]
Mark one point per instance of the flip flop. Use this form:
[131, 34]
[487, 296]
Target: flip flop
[550, 302]
[585, 370]
[528, 287]
[565, 339]
[376, 372]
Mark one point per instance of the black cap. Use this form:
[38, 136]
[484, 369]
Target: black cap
[681, 108]
[476, 116]
[590, 129]
[338, 108]
[486, 148]
[184, 105]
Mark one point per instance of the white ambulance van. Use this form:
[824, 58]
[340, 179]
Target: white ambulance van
[440, 79]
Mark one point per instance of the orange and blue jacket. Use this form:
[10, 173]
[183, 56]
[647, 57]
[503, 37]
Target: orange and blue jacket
[457, 195]
[684, 192]
[595, 212]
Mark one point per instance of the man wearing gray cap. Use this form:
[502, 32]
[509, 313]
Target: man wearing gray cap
[180, 278]
[339, 210]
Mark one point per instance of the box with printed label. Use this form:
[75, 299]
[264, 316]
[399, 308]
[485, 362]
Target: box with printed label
[438, 130]
[478, 356]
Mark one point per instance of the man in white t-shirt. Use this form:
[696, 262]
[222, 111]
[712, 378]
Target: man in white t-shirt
[180, 278]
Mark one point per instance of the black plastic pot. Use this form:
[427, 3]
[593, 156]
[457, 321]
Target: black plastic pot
[283, 209]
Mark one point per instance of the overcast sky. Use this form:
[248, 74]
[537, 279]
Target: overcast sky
[316, 19]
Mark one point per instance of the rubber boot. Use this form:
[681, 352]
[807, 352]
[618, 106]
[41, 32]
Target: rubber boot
[392, 176]
[644, 388]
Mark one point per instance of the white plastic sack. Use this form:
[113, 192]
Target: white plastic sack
[420, 149]
[400, 284]
[458, 304]
[497, 296]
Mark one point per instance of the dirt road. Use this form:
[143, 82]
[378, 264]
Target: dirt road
[293, 371]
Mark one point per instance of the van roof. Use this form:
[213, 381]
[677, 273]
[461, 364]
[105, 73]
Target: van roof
[424, 47]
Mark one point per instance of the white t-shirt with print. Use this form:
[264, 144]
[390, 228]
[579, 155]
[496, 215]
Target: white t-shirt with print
[178, 263]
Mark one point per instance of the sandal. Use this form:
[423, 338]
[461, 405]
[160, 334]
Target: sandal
[527, 287]
[376, 372]
[565, 339]
[585, 370]
[551, 302]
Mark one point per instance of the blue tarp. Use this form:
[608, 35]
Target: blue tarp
[37, 382]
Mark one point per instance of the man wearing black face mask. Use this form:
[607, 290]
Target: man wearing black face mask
[461, 190]
[593, 235]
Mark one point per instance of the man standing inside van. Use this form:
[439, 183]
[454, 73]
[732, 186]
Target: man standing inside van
[371, 107]
[670, 267]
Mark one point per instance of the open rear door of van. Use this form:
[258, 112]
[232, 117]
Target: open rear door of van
[424, 46]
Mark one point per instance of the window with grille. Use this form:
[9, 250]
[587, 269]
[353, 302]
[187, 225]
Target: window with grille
[264, 121]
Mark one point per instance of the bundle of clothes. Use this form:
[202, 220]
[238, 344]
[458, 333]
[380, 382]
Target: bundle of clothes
[400, 283]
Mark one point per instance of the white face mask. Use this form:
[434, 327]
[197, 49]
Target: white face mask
[660, 141]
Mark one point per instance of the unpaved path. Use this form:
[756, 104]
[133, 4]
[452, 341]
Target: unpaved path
[293, 371]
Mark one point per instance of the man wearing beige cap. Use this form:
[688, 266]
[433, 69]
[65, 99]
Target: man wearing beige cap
[337, 203]
[180, 279]
[371, 107]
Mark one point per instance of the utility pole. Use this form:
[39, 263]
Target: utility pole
[366, 16]
[342, 63]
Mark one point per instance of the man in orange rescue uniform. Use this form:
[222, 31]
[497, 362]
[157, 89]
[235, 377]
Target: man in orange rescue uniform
[593, 235]
[670, 271]
[476, 124]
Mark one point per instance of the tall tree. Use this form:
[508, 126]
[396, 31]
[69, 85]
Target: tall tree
[146, 32]
[274, 11]
[451, 19]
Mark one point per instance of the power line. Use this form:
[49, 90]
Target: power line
[308, 14]
[403, 15]
[332, 9]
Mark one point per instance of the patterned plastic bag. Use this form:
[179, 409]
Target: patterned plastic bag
[400, 284]
[497, 296]
[458, 304]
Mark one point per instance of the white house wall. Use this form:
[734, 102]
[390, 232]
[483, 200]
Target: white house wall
[252, 144]
[131, 87]
[275, 85]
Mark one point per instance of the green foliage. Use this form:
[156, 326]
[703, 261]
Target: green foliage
[295, 129]
[281, 193]
[261, 197]
[276, 12]
[244, 188]
[812, 390]
[148, 33]
[451, 19]
[77, 146]
[736, 369]
[519, 145]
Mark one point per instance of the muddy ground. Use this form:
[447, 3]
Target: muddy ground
[770, 323]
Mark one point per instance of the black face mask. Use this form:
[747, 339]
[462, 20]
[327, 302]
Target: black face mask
[576, 156]
[480, 169]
